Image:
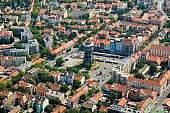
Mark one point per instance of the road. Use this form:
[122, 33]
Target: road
[159, 6]
[158, 101]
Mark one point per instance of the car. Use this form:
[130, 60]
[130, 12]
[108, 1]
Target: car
[66, 59]
[105, 68]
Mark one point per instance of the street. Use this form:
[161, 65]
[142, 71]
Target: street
[159, 6]
[158, 101]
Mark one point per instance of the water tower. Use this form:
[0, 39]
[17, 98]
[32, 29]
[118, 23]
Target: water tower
[88, 52]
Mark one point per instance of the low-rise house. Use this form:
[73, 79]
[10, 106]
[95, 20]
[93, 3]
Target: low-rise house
[122, 102]
[89, 105]
[164, 33]
[41, 91]
[105, 109]
[48, 31]
[91, 83]
[56, 75]
[2, 70]
[79, 78]
[72, 101]
[10, 18]
[80, 14]
[39, 104]
[6, 34]
[144, 104]
[59, 109]
[95, 99]
[50, 94]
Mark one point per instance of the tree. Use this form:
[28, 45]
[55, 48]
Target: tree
[87, 66]
[131, 5]
[153, 68]
[139, 75]
[64, 88]
[76, 84]
[72, 110]
[83, 97]
[72, 69]
[48, 109]
[44, 76]
[163, 65]
[18, 46]
[17, 78]
[59, 61]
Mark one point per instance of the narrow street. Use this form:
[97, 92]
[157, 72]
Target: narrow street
[159, 6]
[158, 101]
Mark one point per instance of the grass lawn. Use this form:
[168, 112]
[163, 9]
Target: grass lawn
[95, 65]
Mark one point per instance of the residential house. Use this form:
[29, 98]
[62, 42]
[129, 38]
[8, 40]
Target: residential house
[105, 109]
[48, 40]
[2, 70]
[9, 102]
[164, 33]
[79, 78]
[6, 35]
[91, 83]
[56, 75]
[122, 102]
[48, 31]
[39, 104]
[9, 18]
[50, 94]
[80, 14]
[144, 104]
[95, 99]
[58, 13]
[6, 61]
[41, 14]
[67, 77]
[89, 105]
[41, 91]
[72, 101]
[59, 109]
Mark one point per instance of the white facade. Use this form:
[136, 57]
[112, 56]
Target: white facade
[19, 60]
[48, 41]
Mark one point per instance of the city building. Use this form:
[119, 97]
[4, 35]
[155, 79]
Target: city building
[33, 46]
[48, 40]
[24, 33]
[157, 86]
[88, 52]
[18, 52]
[121, 71]
[160, 51]
[129, 46]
